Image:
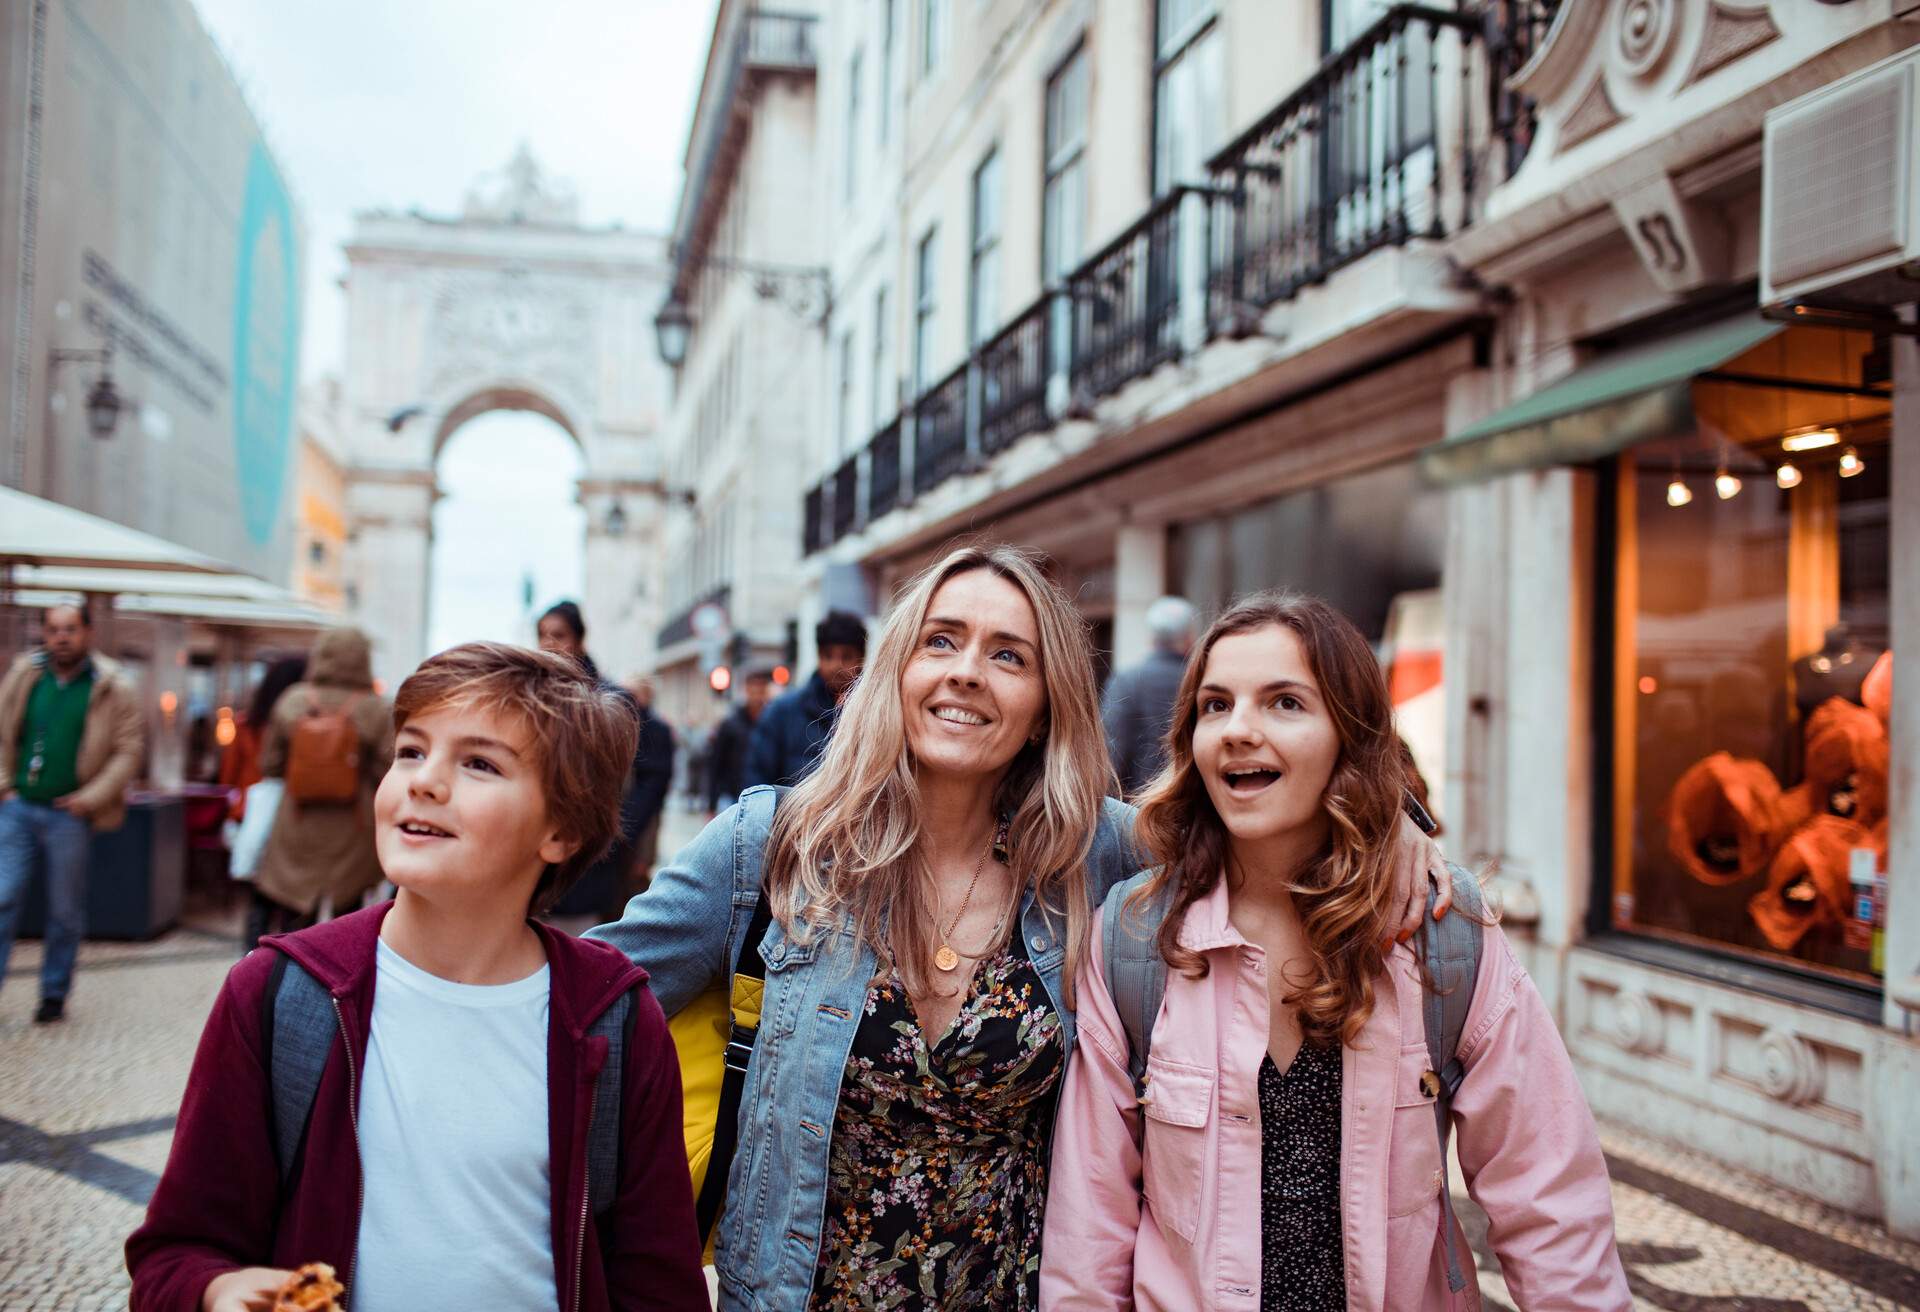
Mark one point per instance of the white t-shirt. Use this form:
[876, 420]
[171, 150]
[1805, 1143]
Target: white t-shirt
[453, 1145]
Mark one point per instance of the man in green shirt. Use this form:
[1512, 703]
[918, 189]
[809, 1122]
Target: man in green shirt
[70, 743]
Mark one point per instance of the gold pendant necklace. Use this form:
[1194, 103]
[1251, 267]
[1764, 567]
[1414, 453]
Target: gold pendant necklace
[945, 959]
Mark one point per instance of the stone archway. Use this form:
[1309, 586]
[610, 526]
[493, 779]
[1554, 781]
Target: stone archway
[512, 306]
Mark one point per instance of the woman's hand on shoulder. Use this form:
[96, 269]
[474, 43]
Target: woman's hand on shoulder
[1418, 865]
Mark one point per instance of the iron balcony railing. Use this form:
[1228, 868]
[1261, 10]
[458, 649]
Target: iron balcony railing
[1373, 150]
[1126, 301]
[883, 471]
[1352, 161]
[940, 432]
[813, 521]
[1013, 379]
[846, 497]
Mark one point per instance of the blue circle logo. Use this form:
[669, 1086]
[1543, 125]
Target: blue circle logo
[266, 302]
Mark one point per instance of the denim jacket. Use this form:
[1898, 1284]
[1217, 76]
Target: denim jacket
[685, 930]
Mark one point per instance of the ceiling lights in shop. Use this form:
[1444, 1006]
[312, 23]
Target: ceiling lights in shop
[1678, 494]
[1788, 475]
[1810, 439]
[1851, 463]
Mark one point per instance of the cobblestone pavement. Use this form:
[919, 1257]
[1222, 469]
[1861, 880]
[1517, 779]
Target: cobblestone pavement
[86, 1114]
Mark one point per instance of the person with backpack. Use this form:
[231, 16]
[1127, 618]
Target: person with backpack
[449, 1103]
[894, 940]
[1260, 1113]
[329, 738]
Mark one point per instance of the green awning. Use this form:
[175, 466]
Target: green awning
[1600, 408]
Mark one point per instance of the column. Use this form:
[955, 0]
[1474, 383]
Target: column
[1896, 1074]
[1139, 579]
[166, 704]
[390, 528]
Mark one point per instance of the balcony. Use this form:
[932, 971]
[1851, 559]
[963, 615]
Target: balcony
[764, 43]
[846, 497]
[1352, 161]
[940, 431]
[1369, 152]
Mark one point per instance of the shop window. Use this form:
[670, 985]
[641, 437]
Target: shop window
[1751, 679]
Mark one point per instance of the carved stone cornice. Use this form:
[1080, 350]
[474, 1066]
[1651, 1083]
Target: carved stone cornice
[1594, 114]
[1731, 31]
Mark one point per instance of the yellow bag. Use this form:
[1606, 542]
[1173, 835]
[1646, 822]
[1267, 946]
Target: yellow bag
[713, 1037]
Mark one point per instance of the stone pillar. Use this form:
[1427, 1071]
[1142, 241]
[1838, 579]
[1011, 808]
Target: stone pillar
[622, 610]
[390, 537]
[1139, 579]
[1896, 1075]
[166, 704]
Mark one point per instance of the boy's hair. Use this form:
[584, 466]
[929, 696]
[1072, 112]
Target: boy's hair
[584, 734]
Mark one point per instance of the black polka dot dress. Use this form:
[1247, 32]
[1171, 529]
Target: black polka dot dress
[1302, 1261]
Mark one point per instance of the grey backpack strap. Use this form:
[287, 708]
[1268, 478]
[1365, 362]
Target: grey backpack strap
[300, 1026]
[1451, 949]
[615, 1025]
[1136, 972]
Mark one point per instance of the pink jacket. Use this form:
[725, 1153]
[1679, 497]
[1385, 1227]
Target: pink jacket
[1189, 1236]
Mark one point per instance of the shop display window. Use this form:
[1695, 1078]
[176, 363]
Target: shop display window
[1751, 677]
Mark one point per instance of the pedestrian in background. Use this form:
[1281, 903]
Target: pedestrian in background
[727, 748]
[240, 763]
[1138, 704]
[646, 794]
[330, 739]
[70, 743]
[240, 771]
[791, 736]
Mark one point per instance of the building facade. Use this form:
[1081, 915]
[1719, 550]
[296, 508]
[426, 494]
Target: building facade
[152, 244]
[1452, 318]
[750, 302]
[320, 511]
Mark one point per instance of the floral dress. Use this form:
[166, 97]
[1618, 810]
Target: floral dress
[937, 1171]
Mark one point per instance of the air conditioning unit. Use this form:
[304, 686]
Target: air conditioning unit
[1840, 191]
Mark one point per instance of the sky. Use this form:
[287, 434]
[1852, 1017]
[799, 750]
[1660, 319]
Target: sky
[369, 104]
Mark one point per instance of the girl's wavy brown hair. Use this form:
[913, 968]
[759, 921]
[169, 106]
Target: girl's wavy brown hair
[1344, 894]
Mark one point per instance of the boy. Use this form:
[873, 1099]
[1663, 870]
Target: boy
[445, 1160]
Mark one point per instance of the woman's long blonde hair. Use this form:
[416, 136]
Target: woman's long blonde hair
[1343, 895]
[846, 841]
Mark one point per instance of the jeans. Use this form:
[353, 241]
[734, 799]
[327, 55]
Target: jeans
[61, 841]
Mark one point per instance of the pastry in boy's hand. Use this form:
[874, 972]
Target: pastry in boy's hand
[310, 1289]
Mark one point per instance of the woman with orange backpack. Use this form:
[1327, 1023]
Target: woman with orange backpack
[331, 739]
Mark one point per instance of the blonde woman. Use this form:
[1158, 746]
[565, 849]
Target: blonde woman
[930, 887]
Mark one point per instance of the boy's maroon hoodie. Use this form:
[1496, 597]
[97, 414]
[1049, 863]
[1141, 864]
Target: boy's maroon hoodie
[218, 1205]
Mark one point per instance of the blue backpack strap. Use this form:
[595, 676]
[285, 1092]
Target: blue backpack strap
[1451, 950]
[615, 1025]
[300, 1026]
[1136, 973]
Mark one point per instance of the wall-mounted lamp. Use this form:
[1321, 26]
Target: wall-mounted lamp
[104, 402]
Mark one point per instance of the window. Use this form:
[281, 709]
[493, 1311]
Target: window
[1343, 20]
[316, 552]
[843, 397]
[852, 152]
[933, 35]
[889, 24]
[880, 380]
[1751, 561]
[983, 270]
[1063, 198]
[925, 260]
[1189, 91]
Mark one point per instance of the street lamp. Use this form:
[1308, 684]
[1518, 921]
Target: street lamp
[104, 402]
[805, 291]
[671, 328]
